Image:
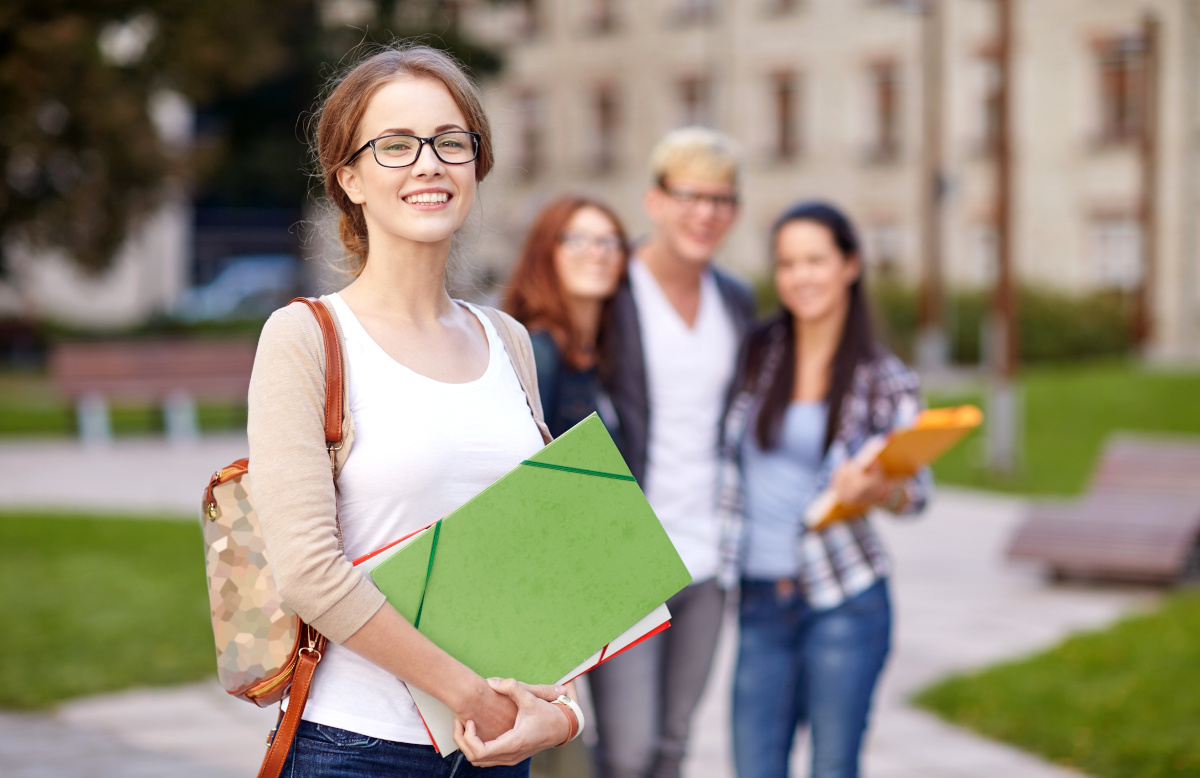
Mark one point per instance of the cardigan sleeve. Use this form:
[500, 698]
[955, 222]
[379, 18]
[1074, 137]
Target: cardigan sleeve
[292, 482]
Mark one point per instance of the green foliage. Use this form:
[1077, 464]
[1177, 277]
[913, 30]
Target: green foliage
[1115, 703]
[1053, 326]
[1069, 411]
[76, 81]
[83, 159]
[99, 604]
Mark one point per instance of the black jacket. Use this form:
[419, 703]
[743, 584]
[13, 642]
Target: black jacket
[625, 361]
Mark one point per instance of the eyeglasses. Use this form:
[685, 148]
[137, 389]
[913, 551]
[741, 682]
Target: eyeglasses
[577, 243]
[457, 147]
[723, 204]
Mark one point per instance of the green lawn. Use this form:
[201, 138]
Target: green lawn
[98, 604]
[1120, 703]
[1068, 412]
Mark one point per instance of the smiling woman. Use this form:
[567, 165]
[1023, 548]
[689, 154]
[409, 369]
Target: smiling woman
[439, 403]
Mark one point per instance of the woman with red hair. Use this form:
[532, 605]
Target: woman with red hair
[561, 290]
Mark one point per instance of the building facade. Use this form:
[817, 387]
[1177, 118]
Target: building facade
[829, 99]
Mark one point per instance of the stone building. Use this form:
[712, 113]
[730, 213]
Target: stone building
[828, 98]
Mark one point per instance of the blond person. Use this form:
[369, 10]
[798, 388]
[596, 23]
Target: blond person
[436, 413]
[673, 341]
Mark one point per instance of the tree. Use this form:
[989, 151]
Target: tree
[90, 91]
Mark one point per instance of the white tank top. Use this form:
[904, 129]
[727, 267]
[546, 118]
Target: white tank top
[421, 449]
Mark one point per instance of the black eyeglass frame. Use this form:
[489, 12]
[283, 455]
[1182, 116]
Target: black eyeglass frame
[691, 199]
[421, 143]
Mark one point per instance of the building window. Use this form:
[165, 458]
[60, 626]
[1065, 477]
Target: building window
[600, 17]
[990, 130]
[884, 112]
[606, 120]
[781, 7]
[531, 154]
[785, 106]
[695, 101]
[1120, 64]
[687, 12]
[883, 247]
[1115, 244]
[529, 19]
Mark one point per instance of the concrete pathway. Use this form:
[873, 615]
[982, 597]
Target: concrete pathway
[142, 475]
[958, 605]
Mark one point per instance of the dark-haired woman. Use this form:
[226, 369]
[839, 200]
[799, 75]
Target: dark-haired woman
[574, 258]
[814, 614]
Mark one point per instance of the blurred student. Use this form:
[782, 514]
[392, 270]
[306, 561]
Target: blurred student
[812, 386]
[561, 290]
[435, 413]
[676, 326]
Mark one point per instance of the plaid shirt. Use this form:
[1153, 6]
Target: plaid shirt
[846, 558]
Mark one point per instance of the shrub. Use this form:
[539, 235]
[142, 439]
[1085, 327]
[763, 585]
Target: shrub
[1053, 326]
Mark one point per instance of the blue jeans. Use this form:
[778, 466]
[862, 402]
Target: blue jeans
[320, 751]
[797, 665]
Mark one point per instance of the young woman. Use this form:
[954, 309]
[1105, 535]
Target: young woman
[562, 289]
[814, 615]
[435, 413]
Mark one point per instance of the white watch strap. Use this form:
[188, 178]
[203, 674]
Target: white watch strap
[578, 711]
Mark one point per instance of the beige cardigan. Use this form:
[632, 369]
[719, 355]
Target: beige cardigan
[290, 475]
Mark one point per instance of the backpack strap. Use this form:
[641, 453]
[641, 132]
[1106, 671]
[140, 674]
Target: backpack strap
[279, 745]
[335, 383]
[520, 353]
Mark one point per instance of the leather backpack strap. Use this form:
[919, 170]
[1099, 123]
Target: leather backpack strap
[285, 732]
[280, 744]
[520, 353]
[334, 373]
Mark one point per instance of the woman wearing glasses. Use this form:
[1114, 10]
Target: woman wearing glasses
[401, 142]
[562, 289]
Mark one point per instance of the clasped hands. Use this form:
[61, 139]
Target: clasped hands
[511, 722]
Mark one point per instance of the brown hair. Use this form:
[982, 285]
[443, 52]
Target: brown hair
[536, 297]
[338, 118]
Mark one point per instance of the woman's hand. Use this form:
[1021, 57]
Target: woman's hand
[864, 487]
[539, 725]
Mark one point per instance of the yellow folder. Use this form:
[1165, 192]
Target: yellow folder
[900, 454]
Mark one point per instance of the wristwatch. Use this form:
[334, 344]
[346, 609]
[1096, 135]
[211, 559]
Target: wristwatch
[574, 715]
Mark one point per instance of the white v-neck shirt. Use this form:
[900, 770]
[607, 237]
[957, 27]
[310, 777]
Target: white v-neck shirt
[421, 449]
[688, 370]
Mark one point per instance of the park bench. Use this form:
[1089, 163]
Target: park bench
[172, 373]
[1140, 519]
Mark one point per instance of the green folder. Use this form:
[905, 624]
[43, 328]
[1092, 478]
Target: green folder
[541, 569]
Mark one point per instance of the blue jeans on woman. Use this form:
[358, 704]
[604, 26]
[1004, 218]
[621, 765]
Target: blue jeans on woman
[320, 751]
[797, 665]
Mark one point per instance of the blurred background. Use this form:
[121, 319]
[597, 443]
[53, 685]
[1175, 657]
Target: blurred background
[1025, 175]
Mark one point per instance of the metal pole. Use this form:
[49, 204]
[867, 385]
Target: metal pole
[1144, 308]
[932, 349]
[1004, 417]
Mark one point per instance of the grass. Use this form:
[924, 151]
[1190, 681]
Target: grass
[1118, 703]
[100, 604]
[1068, 413]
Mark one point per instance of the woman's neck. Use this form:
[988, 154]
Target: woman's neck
[405, 280]
[585, 315]
[817, 343]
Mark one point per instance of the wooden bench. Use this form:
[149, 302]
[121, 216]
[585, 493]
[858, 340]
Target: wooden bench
[172, 373]
[1140, 519]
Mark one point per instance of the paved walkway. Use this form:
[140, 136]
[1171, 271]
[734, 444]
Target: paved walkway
[958, 605]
